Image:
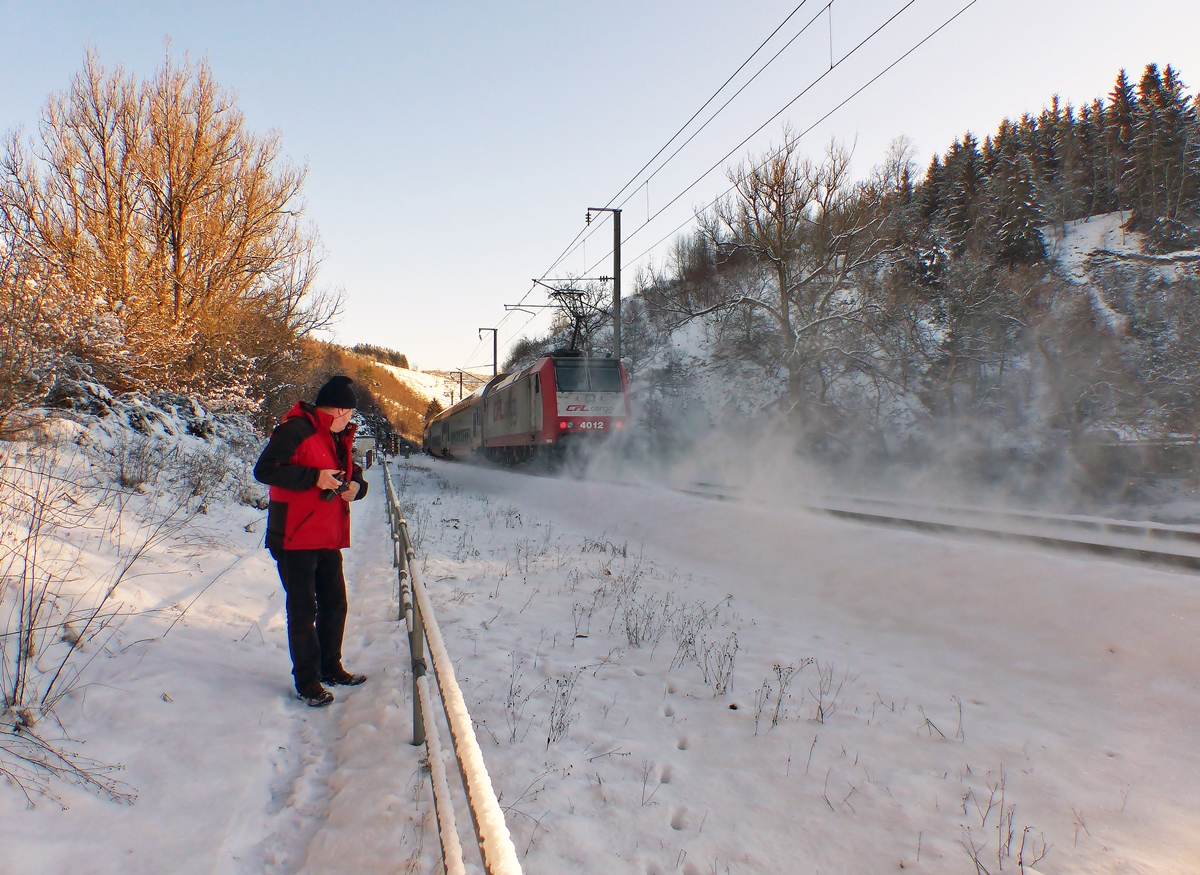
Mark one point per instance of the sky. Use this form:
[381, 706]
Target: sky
[453, 148]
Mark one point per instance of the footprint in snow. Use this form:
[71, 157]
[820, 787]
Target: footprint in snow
[679, 819]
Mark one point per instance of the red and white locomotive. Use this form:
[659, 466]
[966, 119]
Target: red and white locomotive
[560, 399]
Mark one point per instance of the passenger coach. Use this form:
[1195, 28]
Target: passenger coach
[560, 399]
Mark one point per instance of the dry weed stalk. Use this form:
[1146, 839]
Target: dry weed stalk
[57, 615]
[562, 708]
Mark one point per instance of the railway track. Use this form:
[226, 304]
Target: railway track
[1135, 540]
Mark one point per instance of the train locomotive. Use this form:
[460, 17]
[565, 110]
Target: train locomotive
[560, 401]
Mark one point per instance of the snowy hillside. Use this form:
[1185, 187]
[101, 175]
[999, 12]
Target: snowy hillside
[1080, 250]
[428, 386]
[1082, 401]
[1086, 251]
[1076, 243]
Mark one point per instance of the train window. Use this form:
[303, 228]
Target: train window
[604, 376]
[570, 376]
[587, 375]
[537, 383]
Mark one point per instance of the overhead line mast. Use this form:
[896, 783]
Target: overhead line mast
[495, 346]
[616, 308]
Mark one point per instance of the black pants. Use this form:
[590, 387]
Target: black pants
[316, 610]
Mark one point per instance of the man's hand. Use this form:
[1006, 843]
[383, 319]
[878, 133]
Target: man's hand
[351, 491]
[328, 479]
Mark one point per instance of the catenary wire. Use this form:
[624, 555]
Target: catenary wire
[833, 65]
[712, 118]
[760, 128]
[807, 130]
[595, 229]
[713, 97]
[733, 97]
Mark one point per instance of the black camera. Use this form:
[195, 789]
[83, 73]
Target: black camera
[331, 494]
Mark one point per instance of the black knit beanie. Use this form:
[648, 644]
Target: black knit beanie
[337, 393]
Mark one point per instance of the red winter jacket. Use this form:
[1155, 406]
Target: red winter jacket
[300, 447]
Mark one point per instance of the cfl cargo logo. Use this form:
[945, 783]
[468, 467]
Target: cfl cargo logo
[588, 403]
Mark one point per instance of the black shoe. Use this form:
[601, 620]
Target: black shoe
[314, 695]
[343, 678]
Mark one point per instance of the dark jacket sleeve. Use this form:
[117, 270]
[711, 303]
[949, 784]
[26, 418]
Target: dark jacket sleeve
[274, 466]
[357, 477]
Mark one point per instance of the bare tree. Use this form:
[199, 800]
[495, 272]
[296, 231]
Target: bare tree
[152, 202]
[963, 333]
[812, 228]
[583, 312]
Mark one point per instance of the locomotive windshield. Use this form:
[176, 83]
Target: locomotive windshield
[587, 375]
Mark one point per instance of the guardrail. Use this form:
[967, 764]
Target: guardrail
[499, 856]
[1132, 540]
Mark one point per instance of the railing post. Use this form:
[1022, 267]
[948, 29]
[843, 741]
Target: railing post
[396, 553]
[416, 646]
[402, 582]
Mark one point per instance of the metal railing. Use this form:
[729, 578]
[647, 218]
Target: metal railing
[499, 855]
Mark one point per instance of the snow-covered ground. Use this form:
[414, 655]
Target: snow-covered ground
[943, 694]
[1076, 680]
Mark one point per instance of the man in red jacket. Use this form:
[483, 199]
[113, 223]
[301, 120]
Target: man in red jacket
[308, 464]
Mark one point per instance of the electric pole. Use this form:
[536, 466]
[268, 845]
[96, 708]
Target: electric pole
[616, 308]
[494, 346]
